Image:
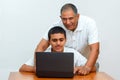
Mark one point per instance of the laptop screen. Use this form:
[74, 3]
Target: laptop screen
[51, 64]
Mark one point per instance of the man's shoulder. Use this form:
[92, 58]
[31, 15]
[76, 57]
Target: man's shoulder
[86, 18]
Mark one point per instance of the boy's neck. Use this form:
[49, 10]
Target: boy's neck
[56, 51]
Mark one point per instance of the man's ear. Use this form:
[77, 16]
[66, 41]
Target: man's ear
[60, 17]
[78, 15]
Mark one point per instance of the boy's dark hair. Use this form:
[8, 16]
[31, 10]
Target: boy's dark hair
[56, 29]
[69, 6]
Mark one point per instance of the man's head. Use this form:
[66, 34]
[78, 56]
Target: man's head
[57, 38]
[69, 16]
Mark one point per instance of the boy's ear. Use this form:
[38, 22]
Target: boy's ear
[65, 40]
[49, 41]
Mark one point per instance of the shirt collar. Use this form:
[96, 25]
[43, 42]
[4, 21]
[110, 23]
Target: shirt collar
[79, 26]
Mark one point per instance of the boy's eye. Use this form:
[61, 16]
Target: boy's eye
[54, 40]
[61, 40]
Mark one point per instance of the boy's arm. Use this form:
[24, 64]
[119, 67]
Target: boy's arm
[27, 68]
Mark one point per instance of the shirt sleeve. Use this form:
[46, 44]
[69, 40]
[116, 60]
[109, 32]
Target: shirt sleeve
[30, 62]
[92, 32]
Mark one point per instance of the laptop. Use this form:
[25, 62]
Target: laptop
[51, 64]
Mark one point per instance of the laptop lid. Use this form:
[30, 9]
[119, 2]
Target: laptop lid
[51, 64]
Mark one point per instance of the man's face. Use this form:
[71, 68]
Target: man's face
[57, 41]
[70, 19]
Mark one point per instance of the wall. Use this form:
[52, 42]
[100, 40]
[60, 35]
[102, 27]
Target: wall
[23, 22]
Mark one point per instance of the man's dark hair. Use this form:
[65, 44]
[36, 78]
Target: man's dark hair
[69, 6]
[56, 29]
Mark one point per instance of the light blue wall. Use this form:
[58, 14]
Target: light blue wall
[23, 22]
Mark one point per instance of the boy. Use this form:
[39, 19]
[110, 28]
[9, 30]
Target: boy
[57, 40]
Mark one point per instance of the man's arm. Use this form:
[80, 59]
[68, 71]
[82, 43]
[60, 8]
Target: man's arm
[27, 68]
[42, 46]
[82, 70]
[94, 52]
[90, 64]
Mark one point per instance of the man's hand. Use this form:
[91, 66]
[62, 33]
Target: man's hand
[82, 70]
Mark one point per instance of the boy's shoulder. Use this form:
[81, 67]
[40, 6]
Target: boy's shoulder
[67, 49]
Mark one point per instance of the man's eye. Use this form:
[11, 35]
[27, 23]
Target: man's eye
[64, 19]
[71, 18]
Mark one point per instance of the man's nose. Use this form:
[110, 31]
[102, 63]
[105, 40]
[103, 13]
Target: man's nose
[67, 21]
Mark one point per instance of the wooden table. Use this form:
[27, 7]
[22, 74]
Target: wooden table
[32, 76]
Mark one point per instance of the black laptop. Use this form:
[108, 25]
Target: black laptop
[51, 64]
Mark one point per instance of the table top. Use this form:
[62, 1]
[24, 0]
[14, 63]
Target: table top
[32, 76]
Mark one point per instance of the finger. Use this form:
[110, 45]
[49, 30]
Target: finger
[86, 72]
[83, 71]
[75, 70]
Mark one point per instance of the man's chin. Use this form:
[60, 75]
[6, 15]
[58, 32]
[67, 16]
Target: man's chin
[70, 28]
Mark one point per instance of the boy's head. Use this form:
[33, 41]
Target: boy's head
[57, 38]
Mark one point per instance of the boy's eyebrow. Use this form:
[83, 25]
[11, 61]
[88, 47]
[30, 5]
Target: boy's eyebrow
[57, 39]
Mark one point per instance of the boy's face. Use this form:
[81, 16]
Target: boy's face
[57, 41]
